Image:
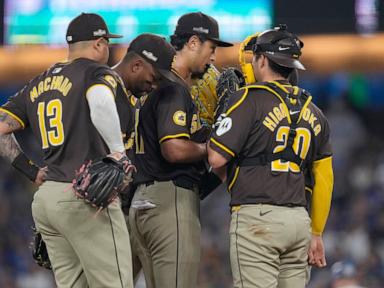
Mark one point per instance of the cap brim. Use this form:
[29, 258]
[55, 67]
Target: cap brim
[109, 35]
[285, 61]
[220, 43]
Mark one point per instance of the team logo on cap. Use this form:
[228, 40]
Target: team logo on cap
[99, 32]
[200, 30]
[149, 55]
[69, 38]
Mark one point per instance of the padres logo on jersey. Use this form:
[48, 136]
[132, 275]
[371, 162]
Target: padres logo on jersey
[180, 118]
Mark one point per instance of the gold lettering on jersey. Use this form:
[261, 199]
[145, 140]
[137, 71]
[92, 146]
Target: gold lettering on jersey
[65, 87]
[278, 113]
[47, 81]
[33, 94]
[40, 88]
[268, 122]
[273, 119]
[58, 83]
[309, 117]
[306, 114]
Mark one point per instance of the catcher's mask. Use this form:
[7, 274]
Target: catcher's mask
[244, 51]
[280, 46]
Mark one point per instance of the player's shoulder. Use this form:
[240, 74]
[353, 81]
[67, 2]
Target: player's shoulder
[248, 92]
[100, 73]
[168, 90]
[317, 111]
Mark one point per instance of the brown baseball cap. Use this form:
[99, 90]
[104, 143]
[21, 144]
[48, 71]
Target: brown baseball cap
[200, 24]
[88, 26]
[156, 51]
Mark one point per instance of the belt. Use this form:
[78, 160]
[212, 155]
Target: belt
[236, 208]
[179, 182]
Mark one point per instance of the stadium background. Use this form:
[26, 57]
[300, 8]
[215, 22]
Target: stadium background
[344, 55]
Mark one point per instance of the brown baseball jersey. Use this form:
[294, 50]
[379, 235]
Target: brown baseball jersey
[256, 123]
[167, 113]
[54, 105]
[126, 103]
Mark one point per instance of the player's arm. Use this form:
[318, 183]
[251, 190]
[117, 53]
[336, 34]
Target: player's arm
[10, 149]
[231, 133]
[216, 160]
[103, 113]
[173, 128]
[322, 171]
[181, 150]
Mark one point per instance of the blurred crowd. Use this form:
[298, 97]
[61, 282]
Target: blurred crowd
[354, 235]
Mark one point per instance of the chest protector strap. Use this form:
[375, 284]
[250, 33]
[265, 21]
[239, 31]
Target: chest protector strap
[295, 101]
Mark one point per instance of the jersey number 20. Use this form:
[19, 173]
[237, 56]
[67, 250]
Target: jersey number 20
[53, 135]
[300, 147]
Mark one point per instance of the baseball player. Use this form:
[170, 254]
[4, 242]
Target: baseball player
[268, 138]
[164, 215]
[147, 61]
[72, 112]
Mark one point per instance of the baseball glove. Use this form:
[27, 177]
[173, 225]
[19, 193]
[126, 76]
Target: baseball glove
[203, 92]
[39, 251]
[229, 82]
[99, 183]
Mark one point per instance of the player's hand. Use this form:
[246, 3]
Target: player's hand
[316, 252]
[128, 167]
[41, 176]
[117, 155]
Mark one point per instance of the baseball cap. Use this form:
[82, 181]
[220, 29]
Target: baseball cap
[201, 24]
[88, 26]
[280, 46]
[156, 51]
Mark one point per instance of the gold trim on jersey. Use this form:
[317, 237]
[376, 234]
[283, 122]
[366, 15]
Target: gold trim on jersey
[238, 103]
[94, 85]
[277, 95]
[174, 137]
[304, 107]
[13, 116]
[222, 147]
[282, 87]
[234, 178]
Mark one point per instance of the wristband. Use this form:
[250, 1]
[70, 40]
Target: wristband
[25, 166]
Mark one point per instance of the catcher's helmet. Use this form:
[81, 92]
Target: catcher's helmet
[280, 46]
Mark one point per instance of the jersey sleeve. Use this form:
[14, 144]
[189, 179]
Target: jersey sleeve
[103, 75]
[172, 113]
[232, 132]
[16, 107]
[324, 149]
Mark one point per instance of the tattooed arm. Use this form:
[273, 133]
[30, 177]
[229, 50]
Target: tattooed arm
[8, 146]
[10, 150]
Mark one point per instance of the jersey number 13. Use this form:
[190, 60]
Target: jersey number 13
[53, 133]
